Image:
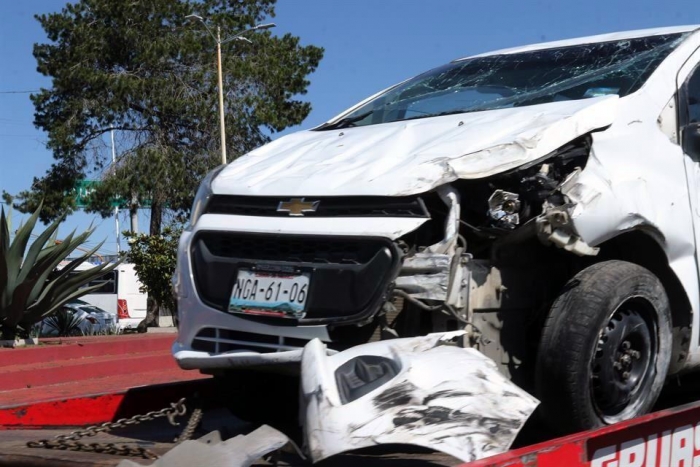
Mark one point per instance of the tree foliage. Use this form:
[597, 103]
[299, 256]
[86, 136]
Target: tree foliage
[31, 287]
[142, 69]
[154, 258]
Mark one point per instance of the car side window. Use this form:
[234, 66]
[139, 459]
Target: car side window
[107, 283]
[689, 115]
[693, 96]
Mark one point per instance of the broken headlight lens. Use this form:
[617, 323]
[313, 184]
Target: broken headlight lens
[504, 208]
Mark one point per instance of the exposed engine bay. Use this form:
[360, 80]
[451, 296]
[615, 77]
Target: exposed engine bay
[457, 269]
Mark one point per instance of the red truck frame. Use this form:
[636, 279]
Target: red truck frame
[667, 438]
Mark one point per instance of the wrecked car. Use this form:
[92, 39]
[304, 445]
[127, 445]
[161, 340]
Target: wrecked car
[544, 200]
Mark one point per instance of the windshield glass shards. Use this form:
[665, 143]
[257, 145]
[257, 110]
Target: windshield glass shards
[518, 79]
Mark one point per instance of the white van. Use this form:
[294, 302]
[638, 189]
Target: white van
[120, 293]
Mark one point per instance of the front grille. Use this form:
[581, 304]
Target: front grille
[290, 249]
[358, 206]
[218, 340]
[349, 276]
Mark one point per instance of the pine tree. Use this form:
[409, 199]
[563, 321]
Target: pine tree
[142, 70]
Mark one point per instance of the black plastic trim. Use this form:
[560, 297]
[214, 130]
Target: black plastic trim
[363, 374]
[335, 293]
[350, 206]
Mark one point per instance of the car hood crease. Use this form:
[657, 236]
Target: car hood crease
[412, 156]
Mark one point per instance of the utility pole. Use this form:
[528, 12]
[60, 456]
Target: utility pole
[221, 97]
[236, 37]
[116, 208]
[134, 211]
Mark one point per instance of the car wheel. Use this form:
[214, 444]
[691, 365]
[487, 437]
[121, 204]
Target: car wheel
[605, 348]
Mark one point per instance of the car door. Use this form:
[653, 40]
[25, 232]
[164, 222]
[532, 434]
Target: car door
[688, 117]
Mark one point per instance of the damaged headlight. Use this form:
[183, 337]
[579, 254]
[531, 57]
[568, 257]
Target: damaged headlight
[203, 194]
[504, 208]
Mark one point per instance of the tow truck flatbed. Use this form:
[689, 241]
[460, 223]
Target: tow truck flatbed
[668, 437]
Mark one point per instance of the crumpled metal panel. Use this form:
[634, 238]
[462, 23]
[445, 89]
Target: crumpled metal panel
[444, 397]
[408, 157]
[450, 196]
[425, 276]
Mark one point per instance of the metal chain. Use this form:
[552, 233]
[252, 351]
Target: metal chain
[70, 441]
[191, 426]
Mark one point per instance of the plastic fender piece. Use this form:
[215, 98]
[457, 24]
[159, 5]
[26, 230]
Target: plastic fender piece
[424, 391]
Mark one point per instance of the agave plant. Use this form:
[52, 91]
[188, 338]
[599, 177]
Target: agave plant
[31, 286]
[64, 323]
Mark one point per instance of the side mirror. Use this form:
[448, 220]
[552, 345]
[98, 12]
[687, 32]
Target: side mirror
[691, 140]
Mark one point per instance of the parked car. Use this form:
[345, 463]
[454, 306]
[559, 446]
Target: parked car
[79, 318]
[120, 295]
[546, 198]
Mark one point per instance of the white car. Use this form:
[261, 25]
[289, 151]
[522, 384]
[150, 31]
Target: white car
[546, 198]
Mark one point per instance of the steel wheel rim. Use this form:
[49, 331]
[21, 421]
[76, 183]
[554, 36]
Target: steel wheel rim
[624, 359]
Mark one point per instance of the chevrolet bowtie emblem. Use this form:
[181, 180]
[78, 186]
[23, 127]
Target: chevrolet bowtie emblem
[297, 206]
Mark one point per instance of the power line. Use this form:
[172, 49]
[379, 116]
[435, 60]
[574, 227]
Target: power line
[18, 92]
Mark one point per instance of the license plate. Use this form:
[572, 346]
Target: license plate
[271, 294]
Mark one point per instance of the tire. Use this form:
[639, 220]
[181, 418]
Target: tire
[605, 348]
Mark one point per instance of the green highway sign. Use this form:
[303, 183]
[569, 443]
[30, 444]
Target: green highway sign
[82, 191]
[84, 188]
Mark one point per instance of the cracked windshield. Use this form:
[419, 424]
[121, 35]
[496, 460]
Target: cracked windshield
[519, 79]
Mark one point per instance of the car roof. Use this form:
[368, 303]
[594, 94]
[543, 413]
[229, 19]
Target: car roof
[615, 36]
[77, 302]
[82, 304]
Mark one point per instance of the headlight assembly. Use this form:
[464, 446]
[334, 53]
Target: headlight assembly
[203, 194]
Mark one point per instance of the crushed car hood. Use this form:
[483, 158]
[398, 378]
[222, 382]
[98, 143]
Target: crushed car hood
[413, 156]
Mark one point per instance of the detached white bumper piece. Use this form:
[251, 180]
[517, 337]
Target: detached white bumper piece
[211, 451]
[425, 391]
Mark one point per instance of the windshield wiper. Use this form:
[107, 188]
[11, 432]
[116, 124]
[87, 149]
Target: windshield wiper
[345, 122]
[441, 114]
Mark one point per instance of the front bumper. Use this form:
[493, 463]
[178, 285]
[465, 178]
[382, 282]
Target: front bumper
[191, 360]
[210, 338]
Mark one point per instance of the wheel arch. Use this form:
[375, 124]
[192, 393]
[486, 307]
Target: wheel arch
[645, 249]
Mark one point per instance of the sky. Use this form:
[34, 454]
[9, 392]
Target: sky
[369, 45]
